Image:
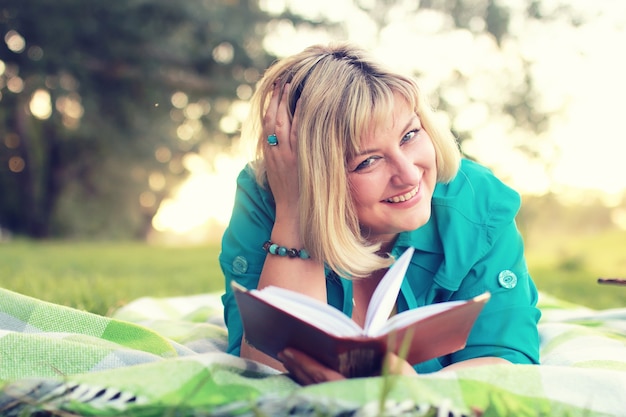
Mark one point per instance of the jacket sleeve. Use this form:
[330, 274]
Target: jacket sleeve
[484, 251]
[507, 327]
[242, 256]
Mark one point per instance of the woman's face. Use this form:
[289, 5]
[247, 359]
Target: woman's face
[393, 179]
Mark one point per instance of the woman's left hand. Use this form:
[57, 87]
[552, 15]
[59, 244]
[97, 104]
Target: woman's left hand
[306, 370]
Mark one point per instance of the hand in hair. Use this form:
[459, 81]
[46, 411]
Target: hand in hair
[282, 160]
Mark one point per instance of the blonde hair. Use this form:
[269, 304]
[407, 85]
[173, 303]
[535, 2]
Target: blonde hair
[340, 92]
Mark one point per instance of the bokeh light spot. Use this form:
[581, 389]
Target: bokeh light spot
[16, 164]
[15, 42]
[163, 154]
[147, 199]
[179, 100]
[11, 140]
[224, 53]
[156, 180]
[40, 105]
[15, 85]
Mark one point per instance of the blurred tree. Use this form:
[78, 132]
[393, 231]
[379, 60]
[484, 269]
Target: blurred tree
[489, 57]
[471, 19]
[100, 101]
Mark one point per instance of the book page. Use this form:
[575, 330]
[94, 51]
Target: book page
[408, 317]
[321, 315]
[386, 293]
[411, 316]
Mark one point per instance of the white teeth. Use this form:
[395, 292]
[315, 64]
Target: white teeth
[404, 197]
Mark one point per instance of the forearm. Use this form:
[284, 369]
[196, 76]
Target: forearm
[395, 365]
[305, 276]
[470, 363]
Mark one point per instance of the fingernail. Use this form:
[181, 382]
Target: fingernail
[287, 353]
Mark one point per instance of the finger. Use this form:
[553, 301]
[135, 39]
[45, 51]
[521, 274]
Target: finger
[297, 366]
[282, 125]
[305, 369]
[293, 135]
[269, 118]
[295, 371]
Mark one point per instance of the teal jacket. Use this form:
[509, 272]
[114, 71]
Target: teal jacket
[470, 245]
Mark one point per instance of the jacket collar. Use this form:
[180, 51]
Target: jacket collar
[424, 239]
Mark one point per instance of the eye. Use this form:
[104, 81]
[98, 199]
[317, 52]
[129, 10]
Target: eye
[409, 136]
[366, 164]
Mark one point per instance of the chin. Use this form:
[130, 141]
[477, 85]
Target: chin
[411, 224]
[419, 220]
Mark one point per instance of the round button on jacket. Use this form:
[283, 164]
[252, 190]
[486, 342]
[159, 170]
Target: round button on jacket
[507, 279]
[240, 265]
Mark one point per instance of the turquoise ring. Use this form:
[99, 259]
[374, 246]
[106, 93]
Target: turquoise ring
[272, 140]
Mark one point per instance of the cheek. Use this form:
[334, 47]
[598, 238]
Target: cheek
[432, 153]
[426, 152]
[361, 192]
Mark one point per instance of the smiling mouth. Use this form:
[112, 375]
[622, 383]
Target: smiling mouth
[403, 197]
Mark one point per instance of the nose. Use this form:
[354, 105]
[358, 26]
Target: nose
[405, 172]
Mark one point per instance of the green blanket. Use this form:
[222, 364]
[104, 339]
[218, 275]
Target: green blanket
[165, 357]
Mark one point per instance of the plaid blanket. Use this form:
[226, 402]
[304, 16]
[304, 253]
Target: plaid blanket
[165, 357]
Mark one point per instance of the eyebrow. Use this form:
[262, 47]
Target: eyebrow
[404, 129]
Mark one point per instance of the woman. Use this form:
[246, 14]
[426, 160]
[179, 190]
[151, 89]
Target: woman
[352, 167]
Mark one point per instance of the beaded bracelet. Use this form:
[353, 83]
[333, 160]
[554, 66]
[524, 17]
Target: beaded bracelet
[275, 249]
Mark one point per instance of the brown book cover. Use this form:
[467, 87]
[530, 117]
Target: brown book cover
[288, 319]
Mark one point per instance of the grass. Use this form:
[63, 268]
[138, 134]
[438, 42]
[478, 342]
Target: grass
[102, 276]
[568, 266]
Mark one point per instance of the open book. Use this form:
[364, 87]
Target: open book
[275, 318]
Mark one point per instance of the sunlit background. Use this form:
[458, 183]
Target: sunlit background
[579, 72]
[120, 127]
[573, 61]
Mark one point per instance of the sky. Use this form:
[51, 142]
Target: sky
[579, 72]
